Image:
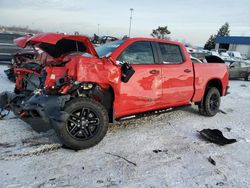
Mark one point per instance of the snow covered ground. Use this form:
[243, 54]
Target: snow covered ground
[181, 160]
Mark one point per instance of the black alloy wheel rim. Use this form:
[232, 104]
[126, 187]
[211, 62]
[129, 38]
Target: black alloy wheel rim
[214, 102]
[83, 124]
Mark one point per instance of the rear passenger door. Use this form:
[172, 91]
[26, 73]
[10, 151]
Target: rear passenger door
[144, 89]
[177, 75]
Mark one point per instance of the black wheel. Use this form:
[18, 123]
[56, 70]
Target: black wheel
[86, 125]
[211, 102]
[247, 78]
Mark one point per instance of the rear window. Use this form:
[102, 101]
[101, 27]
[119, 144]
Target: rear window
[171, 54]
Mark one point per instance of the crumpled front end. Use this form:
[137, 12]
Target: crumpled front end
[36, 110]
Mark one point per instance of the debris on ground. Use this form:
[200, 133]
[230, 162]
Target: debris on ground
[159, 151]
[223, 112]
[211, 160]
[121, 158]
[216, 136]
[7, 145]
[220, 184]
[228, 129]
[243, 85]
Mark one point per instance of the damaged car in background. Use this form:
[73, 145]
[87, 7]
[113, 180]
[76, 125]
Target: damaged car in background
[86, 88]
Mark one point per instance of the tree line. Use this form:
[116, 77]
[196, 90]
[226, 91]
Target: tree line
[162, 32]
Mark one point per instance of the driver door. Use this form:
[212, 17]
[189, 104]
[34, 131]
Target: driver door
[144, 89]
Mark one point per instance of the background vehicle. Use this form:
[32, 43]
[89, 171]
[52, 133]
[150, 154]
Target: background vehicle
[225, 56]
[195, 60]
[117, 81]
[236, 56]
[7, 48]
[239, 70]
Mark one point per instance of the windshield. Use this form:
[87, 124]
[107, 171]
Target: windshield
[108, 48]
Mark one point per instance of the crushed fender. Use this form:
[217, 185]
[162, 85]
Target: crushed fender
[216, 136]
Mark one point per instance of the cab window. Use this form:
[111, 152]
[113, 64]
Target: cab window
[138, 53]
[171, 54]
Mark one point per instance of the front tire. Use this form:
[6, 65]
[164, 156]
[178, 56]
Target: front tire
[211, 103]
[86, 125]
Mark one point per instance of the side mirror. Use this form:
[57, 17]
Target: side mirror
[127, 72]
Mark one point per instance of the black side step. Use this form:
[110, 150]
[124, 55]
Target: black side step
[145, 114]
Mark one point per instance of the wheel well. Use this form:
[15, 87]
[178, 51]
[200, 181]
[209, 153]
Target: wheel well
[105, 97]
[108, 101]
[214, 83]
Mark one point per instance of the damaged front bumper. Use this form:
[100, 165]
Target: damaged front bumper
[37, 110]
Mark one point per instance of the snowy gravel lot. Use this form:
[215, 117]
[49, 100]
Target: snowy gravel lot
[182, 161]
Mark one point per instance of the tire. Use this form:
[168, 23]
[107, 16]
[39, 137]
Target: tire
[210, 104]
[247, 78]
[76, 132]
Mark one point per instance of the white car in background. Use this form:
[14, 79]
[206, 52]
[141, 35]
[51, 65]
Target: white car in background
[215, 53]
[235, 55]
[225, 56]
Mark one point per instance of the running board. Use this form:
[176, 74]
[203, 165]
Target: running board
[145, 114]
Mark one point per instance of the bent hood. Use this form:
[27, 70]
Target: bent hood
[57, 45]
[22, 41]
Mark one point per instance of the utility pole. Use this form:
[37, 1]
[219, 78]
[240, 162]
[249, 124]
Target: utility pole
[98, 31]
[131, 13]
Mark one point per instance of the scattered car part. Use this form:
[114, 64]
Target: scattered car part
[216, 136]
[211, 160]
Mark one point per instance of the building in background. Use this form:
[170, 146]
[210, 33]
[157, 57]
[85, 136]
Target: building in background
[234, 43]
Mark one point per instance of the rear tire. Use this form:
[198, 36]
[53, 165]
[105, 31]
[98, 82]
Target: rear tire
[86, 125]
[211, 102]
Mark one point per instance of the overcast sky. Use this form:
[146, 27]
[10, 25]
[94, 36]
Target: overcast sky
[190, 20]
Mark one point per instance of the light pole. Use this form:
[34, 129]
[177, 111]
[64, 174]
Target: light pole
[131, 13]
[98, 31]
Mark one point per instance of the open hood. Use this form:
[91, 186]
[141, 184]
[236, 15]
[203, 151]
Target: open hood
[22, 41]
[57, 45]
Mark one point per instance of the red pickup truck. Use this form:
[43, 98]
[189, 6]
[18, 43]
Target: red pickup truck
[84, 91]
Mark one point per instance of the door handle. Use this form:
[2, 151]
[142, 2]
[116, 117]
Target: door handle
[154, 72]
[187, 70]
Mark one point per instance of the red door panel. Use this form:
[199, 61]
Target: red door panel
[177, 75]
[141, 93]
[177, 86]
